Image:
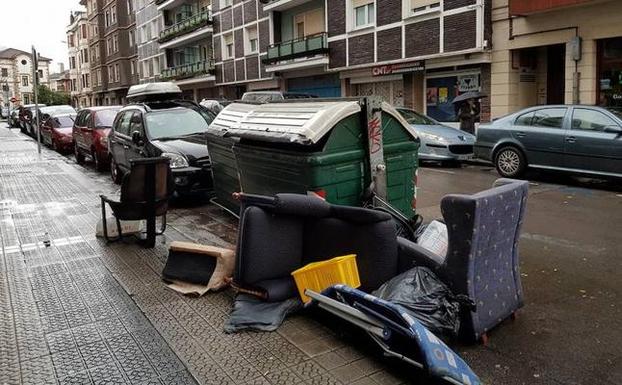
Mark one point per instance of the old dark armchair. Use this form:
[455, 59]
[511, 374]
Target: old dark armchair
[145, 193]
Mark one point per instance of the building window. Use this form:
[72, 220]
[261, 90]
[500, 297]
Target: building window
[99, 76]
[115, 43]
[107, 18]
[5, 73]
[252, 43]
[85, 54]
[131, 37]
[26, 98]
[133, 67]
[110, 74]
[85, 34]
[364, 13]
[156, 66]
[40, 72]
[130, 7]
[24, 81]
[113, 14]
[109, 46]
[225, 3]
[116, 72]
[228, 52]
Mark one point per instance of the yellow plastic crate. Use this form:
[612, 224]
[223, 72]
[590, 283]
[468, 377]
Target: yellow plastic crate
[318, 276]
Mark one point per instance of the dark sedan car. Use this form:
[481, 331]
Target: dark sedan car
[173, 129]
[571, 138]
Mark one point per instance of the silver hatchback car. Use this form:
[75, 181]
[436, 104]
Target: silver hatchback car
[572, 138]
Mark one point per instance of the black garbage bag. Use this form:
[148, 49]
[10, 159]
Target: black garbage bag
[427, 298]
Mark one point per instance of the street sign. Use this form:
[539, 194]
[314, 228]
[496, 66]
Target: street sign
[14, 99]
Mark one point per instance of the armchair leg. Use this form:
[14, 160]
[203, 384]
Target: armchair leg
[151, 232]
[484, 339]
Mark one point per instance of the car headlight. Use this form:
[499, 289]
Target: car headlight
[177, 160]
[433, 138]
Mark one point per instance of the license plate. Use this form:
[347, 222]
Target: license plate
[464, 157]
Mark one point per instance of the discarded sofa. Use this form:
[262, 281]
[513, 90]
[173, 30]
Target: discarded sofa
[482, 260]
[280, 234]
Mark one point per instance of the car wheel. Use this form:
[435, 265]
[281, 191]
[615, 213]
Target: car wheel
[99, 165]
[78, 154]
[510, 162]
[115, 173]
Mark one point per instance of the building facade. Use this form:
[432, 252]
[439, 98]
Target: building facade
[186, 41]
[149, 24]
[16, 75]
[61, 82]
[79, 65]
[112, 45]
[414, 53]
[563, 51]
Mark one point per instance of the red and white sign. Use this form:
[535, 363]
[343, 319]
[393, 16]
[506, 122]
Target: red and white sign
[399, 68]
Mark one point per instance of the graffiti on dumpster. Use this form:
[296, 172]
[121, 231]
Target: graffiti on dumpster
[374, 133]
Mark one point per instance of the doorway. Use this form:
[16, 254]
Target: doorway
[556, 74]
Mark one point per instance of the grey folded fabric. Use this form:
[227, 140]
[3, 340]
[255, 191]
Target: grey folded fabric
[252, 313]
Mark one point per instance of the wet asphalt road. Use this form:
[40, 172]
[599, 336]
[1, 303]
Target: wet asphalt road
[570, 330]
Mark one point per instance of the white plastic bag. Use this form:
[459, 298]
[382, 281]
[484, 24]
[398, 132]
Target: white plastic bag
[127, 227]
[434, 238]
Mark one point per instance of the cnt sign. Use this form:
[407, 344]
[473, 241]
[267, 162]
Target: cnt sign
[399, 68]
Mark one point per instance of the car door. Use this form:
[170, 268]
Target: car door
[136, 150]
[87, 130]
[77, 129]
[118, 140]
[46, 129]
[542, 133]
[591, 143]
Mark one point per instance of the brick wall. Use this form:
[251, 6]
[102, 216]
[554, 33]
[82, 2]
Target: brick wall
[252, 67]
[336, 11]
[388, 11]
[250, 11]
[484, 113]
[337, 53]
[237, 16]
[459, 31]
[361, 49]
[240, 74]
[389, 44]
[229, 70]
[453, 4]
[238, 37]
[423, 38]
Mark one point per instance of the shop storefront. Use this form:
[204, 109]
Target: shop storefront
[443, 87]
[324, 86]
[609, 60]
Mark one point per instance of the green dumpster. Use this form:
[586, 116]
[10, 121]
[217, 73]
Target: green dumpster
[312, 147]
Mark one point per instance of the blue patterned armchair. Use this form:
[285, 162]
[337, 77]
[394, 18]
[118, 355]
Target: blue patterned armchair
[482, 259]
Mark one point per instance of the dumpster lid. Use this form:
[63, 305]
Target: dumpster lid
[304, 122]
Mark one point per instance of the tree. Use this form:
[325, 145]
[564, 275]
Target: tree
[51, 98]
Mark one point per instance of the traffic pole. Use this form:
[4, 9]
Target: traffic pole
[35, 78]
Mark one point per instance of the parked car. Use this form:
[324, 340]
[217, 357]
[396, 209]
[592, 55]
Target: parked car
[175, 129]
[571, 138]
[272, 96]
[439, 142]
[47, 112]
[90, 134]
[56, 132]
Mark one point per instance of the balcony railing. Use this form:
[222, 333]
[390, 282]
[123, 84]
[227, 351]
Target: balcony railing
[190, 24]
[188, 70]
[301, 47]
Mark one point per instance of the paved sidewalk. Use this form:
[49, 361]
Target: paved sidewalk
[76, 311]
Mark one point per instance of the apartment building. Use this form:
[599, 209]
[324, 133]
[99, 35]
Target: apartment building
[16, 75]
[149, 23]
[556, 52]
[415, 53]
[112, 44]
[186, 41]
[79, 65]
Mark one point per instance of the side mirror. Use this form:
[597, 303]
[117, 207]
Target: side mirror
[137, 138]
[613, 129]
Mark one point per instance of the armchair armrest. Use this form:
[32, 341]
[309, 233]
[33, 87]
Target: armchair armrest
[411, 254]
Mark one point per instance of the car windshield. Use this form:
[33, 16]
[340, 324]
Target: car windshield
[64, 121]
[414, 118]
[175, 122]
[616, 111]
[104, 118]
[63, 110]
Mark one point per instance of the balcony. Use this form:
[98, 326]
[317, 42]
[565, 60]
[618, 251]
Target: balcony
[192, 70]
[282, 5]
[527, 7]
[313, 48]
[186, 31]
